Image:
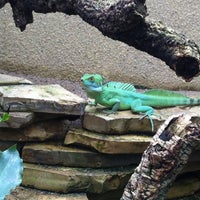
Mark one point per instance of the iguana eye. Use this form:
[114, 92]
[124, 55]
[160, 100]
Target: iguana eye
[91, 78]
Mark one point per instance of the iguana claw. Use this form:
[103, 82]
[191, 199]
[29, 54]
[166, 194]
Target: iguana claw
[150, 119]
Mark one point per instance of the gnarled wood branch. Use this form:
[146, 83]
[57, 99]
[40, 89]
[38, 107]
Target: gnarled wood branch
[122, 20]
[164, 158]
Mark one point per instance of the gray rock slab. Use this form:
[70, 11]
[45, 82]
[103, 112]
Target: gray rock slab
[23, 193]
[12, 80]
[18, 119]
[185, 186]
[57, 154]
[66, 180]
[109, 144]
[42, 98]
[96, 181]
[23, 119]
[51, 129]
[124, 122]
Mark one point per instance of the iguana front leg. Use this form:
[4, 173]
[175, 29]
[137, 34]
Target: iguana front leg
[115, 104]
[136, 106]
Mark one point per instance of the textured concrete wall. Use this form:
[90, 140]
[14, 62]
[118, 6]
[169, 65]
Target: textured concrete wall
[65, 47]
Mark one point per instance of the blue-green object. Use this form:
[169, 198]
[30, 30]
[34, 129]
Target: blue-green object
[11, 169]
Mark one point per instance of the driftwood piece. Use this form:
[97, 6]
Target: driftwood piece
[164, 159]
[122, 20]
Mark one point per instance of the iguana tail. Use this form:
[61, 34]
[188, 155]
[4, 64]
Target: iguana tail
[165, 98]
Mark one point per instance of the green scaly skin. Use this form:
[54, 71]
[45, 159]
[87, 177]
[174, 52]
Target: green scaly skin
[123, 96]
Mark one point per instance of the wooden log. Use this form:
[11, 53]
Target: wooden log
[184, 186]
[122, 20]
[164, 158]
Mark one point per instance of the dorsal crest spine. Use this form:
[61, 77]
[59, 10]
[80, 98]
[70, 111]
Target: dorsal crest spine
[121, 85]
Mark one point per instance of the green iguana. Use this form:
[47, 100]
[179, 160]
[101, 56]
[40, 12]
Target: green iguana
[123, 96]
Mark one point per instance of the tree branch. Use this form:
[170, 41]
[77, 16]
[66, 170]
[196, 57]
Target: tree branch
[122, 20]
[165, 158]
[181, 54]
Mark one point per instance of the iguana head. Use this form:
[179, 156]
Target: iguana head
[92, 82]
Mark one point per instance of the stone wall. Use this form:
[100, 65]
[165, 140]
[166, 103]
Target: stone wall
[65, 47]
[69, 149]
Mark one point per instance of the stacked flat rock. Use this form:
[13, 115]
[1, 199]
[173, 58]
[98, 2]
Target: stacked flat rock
[125, 133]
[39, 114]
[96, 157]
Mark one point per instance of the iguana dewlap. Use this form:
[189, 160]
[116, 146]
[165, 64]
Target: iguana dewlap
[123, 96]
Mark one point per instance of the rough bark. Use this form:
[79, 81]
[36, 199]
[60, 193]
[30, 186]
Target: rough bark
[122, 20]
[164, 159]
